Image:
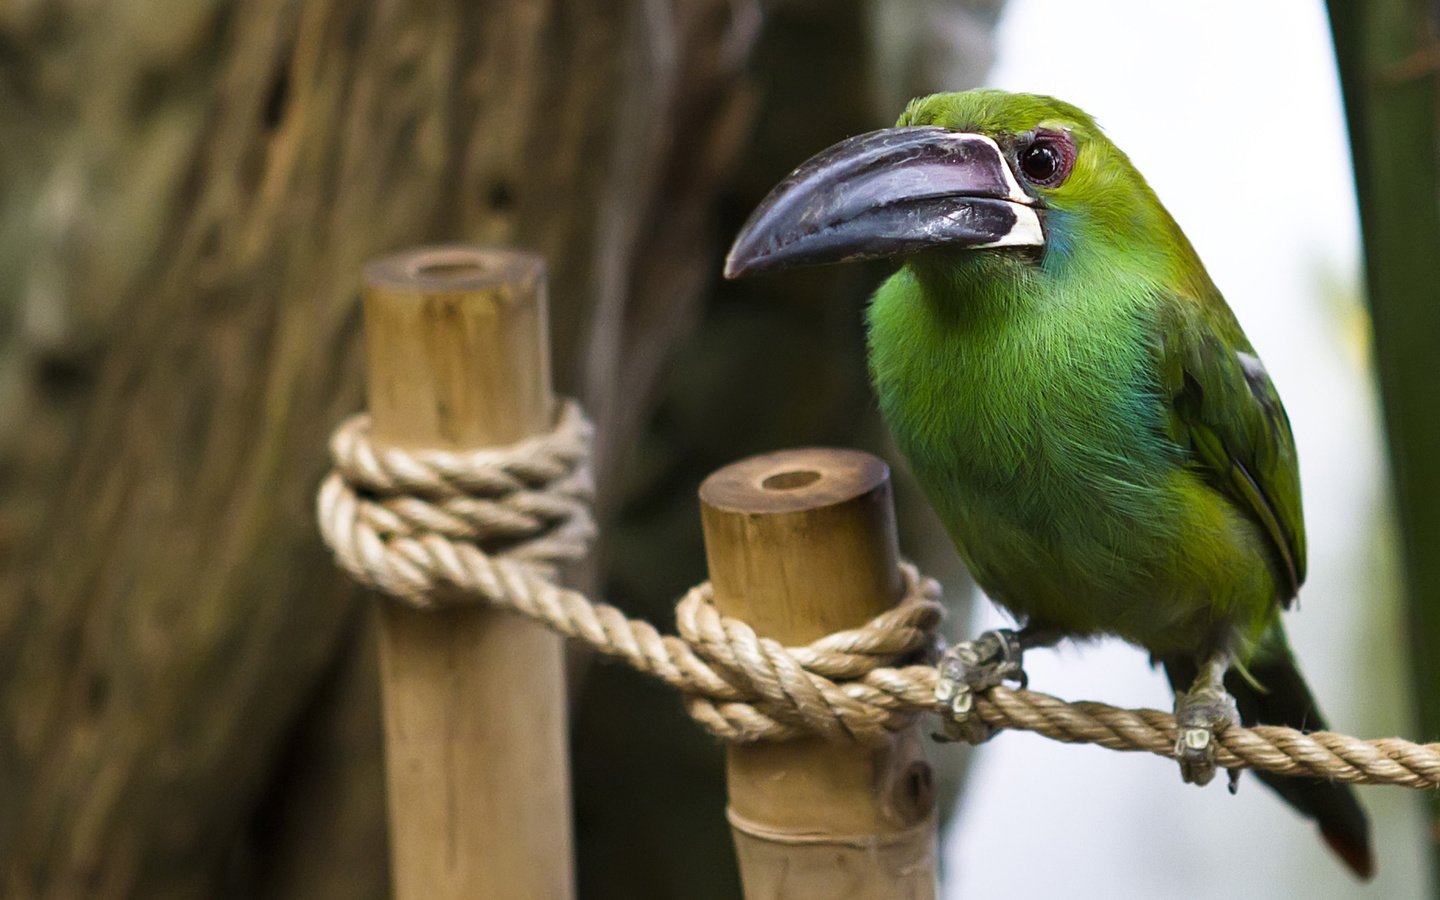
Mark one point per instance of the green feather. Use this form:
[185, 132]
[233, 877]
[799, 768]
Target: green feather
[1083, 420]
[1096, 431]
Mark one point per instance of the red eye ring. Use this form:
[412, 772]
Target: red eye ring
[1048, 159]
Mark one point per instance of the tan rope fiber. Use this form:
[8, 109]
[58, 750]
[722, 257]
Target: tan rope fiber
[489, 526]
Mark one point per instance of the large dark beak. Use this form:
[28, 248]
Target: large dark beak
[886, 193]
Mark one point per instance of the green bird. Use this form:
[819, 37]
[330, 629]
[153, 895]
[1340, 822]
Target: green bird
[1079, 403]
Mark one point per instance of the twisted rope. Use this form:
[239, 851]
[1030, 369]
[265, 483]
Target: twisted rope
[407, 522]
[489, 526]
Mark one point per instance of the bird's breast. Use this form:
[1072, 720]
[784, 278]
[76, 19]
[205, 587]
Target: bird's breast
[1038, 436]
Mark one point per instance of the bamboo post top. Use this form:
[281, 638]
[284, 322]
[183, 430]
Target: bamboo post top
[477, 776]
[801, 544]
[458, 348]
[793, 480]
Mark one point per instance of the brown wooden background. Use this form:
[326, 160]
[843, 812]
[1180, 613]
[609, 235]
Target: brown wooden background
[188, 189]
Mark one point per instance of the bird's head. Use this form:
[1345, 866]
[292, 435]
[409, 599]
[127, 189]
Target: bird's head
[1023, 175]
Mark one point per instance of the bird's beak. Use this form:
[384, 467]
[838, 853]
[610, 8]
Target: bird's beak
[887, 193]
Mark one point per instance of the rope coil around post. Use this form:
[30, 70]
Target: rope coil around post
[403, 512]
[490, 526]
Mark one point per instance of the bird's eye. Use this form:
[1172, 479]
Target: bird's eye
[1048, 159]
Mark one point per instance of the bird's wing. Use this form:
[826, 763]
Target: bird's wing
[1226, 412]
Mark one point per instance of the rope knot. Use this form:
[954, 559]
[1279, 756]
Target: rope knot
[818, 688]
[401, 520]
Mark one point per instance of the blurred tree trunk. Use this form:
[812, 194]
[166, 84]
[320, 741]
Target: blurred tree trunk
[187, 191]
[190, 188]
[1389, 58]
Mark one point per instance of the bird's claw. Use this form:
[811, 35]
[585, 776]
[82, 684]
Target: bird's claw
[968, 668]
[1200, 715]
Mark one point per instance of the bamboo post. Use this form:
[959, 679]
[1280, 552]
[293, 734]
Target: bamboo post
[477, 778]
[801, 544]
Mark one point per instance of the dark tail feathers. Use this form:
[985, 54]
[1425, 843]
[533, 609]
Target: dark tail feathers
[1286, 700]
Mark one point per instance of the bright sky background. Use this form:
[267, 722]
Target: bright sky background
[1232, 110]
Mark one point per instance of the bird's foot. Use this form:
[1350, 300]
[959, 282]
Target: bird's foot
[1201, 714]
[969, 668]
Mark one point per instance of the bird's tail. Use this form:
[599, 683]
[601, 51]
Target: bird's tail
[1284, 699]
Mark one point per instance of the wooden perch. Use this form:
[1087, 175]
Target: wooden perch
[801, 544]
[477, 775]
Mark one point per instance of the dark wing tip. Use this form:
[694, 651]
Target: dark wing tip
[1354, 850]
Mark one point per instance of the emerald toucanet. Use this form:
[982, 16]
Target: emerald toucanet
[1103, 444]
